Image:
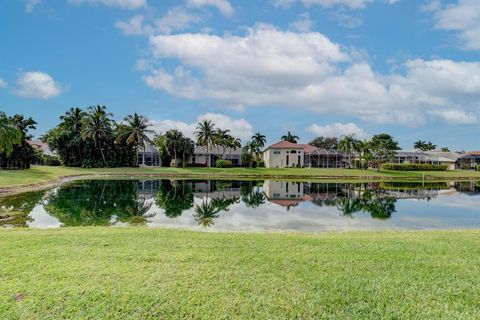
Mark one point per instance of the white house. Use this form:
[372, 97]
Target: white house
[284, 154]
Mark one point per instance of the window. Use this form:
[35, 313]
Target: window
[286, 188]
[293, 151]
[276, 151]
[288, 161]
[299, 158]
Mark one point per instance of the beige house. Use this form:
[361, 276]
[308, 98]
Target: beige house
[284, 154]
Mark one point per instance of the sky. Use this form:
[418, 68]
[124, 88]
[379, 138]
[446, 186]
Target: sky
[313, 67]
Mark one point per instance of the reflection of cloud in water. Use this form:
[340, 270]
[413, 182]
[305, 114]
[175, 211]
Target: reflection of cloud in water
[41, 219]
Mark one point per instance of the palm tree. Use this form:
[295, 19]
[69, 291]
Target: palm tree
[97, 126]
[346, 145]
[419, 144]
[204, 134]
[445, 149]
[135, 132]
[259, 139]
[220, 138]
[10, 135]
[72, 120]
[290, 137]
[430, 146]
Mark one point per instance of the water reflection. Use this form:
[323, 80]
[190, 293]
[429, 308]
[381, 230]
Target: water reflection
[248, 205]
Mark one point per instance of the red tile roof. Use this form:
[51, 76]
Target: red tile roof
[474, 153]
[286, 145]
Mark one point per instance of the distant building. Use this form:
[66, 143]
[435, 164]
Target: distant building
[42, 147]
[202, 158]
[149, 156]
[286, 154]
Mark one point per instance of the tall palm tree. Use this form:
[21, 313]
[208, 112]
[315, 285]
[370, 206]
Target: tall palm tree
[259, 140]
[97, 126]
[419, 144]
[135, 132]
[204, 133]
[346, 145]
[290, 137]
[72, 120]
[220, 138]
[10, 135]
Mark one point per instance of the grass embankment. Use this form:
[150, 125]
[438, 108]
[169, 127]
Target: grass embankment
[41, 175]
[135, 273]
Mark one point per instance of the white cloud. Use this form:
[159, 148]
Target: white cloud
[303, 24]
[30, 5]
[307, 71]
[3, 83]
[462, 17]
[224, 6]
[350, 4]
[125, 4]
[133, 27]
[345, 19]
[175, 19]
[239, 128]
[456, 116]
[38, 85]
[338, 130]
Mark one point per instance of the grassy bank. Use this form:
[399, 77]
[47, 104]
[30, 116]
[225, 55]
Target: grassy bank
[39, 174]
[134, 273]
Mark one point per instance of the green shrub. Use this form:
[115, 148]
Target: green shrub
[260, 163]
[223, 163]
[414, 167]
[477, 168]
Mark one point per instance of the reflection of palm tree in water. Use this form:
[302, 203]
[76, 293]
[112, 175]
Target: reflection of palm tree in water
[380, 206]
[136, 213]
[252, 196]
[206, 213]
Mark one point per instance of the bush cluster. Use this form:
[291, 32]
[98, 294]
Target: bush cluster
[223, 163]
[414, 167]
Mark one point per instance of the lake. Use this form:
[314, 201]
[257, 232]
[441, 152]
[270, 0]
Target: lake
[248, 205]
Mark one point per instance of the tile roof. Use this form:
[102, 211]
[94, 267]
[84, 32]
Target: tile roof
[286, 145]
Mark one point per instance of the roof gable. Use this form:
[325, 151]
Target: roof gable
[286, 145]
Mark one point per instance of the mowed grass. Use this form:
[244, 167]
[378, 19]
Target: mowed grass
[139, 273]
[41, 174]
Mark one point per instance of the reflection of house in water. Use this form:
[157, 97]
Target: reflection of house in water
[148, 188]
[284, 193]
[216, 189]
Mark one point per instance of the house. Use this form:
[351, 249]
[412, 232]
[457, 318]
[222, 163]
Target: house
[286, 154]
[202, 158]
[284, 193]
[42, 147]
[148, 156]
[448, 158]
[469, 160]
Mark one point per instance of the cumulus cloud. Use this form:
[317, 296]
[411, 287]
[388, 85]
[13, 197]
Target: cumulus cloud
[124, 4]
[224, 6]
[308, 71]
[462, 17]
[239, 128]
[3, 83]
[338, 130]
[456, 116]
[37, 85]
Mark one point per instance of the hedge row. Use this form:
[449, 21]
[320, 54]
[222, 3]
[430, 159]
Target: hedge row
[414, 167]
[223, 163]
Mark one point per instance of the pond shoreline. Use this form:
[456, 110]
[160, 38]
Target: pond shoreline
[53, 182]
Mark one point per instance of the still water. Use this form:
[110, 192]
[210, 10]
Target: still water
[248, 205]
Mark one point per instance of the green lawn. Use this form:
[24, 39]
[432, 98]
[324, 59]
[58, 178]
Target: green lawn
[39, 174]
[139, 273]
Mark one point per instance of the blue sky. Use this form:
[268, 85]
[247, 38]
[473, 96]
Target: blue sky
[315, 67]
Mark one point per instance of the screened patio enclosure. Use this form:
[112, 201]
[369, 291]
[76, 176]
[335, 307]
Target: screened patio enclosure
[323, 158]
[416, 156]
